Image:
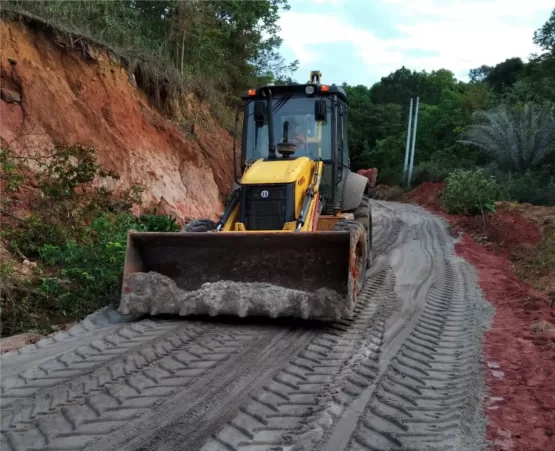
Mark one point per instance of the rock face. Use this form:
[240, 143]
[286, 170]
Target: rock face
[53, 95]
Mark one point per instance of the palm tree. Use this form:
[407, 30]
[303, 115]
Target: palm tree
[518, 138]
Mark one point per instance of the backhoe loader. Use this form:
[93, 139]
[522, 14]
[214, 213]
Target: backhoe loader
[295, 239]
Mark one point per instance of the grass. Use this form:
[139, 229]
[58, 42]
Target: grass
[537, 265]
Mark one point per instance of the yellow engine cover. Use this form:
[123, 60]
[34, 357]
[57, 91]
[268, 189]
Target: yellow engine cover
[298, 171]
[279, 171]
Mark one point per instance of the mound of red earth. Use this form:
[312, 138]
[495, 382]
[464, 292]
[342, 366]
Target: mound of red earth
[426, 195]
[519, 348]
[371, 174]
[505, 231]
[520, 356]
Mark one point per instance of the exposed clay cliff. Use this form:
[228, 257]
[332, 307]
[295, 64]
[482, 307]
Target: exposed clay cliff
[54, 95]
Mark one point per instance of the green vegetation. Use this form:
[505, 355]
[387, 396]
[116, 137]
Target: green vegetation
[76, 232]
[469, 192]
[502, 121]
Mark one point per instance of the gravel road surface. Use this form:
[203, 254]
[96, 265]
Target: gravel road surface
[404, 374]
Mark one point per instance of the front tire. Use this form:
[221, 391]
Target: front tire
[363, 215]
[199, 226]
[346, 225]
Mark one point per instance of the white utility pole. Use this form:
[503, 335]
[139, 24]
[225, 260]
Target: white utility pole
[413, 141]
[408, 143]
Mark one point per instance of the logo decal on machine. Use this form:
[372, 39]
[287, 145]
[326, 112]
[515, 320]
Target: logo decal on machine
[264, 194]
[301, 181]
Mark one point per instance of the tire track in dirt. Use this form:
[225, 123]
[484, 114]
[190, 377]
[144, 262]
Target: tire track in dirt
[388, 230]
[399, 375]
[97, 404]
[86, 327]
[77, 362]
[95, 326]
[190, 415]
[423, 400]
[336, 362]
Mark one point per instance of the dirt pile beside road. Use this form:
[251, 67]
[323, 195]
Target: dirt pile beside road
[426, 195]
[504, 231]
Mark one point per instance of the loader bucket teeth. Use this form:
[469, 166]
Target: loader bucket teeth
[310, 275]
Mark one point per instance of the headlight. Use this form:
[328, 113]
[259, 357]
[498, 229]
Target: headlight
[309, 90]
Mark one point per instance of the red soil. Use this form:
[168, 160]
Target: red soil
[520, 361]
[426, 195]
[371, 174]
[52, 95]
[519, 348]
[504, 231]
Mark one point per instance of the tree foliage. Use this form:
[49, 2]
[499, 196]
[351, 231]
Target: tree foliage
[545, 36]
[228, 45]
[500, 120]
[76, 232]
[517, 138]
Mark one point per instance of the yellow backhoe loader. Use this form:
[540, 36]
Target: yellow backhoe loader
[295, 238]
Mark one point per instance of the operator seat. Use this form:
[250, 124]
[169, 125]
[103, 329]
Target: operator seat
[310, 151]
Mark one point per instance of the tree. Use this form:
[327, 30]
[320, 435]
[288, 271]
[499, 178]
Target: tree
[518, 138]
[504, 75]
[479, 74]
[544, 37]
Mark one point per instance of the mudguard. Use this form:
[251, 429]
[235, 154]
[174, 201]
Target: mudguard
[354, 188]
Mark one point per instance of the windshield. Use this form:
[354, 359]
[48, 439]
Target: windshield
[312, 139]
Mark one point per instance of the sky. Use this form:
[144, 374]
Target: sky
[360, 41]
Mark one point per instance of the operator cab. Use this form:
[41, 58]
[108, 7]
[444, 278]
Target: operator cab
[287, 122]
[304, 118]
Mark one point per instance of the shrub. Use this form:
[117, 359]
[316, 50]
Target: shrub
[89, 274]
[157, 223]
[77, 234]
[469, 192]
[531, 187]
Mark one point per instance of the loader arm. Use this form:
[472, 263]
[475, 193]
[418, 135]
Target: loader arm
[296, 183]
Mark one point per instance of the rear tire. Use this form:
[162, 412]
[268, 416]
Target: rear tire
[199, 226]
[363, 215]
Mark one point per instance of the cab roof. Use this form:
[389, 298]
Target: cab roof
[281, 90]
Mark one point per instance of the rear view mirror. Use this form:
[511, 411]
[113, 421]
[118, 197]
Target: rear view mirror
[260, 112]
[320, 110]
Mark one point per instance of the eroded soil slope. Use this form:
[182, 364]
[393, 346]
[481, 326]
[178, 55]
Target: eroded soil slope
[53, 94]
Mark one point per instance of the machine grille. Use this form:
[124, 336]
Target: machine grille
[267, 207]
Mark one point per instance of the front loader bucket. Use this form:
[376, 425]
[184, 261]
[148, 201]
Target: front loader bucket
[305, 274]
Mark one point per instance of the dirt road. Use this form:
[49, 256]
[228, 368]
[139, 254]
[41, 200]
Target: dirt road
[405, 373]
